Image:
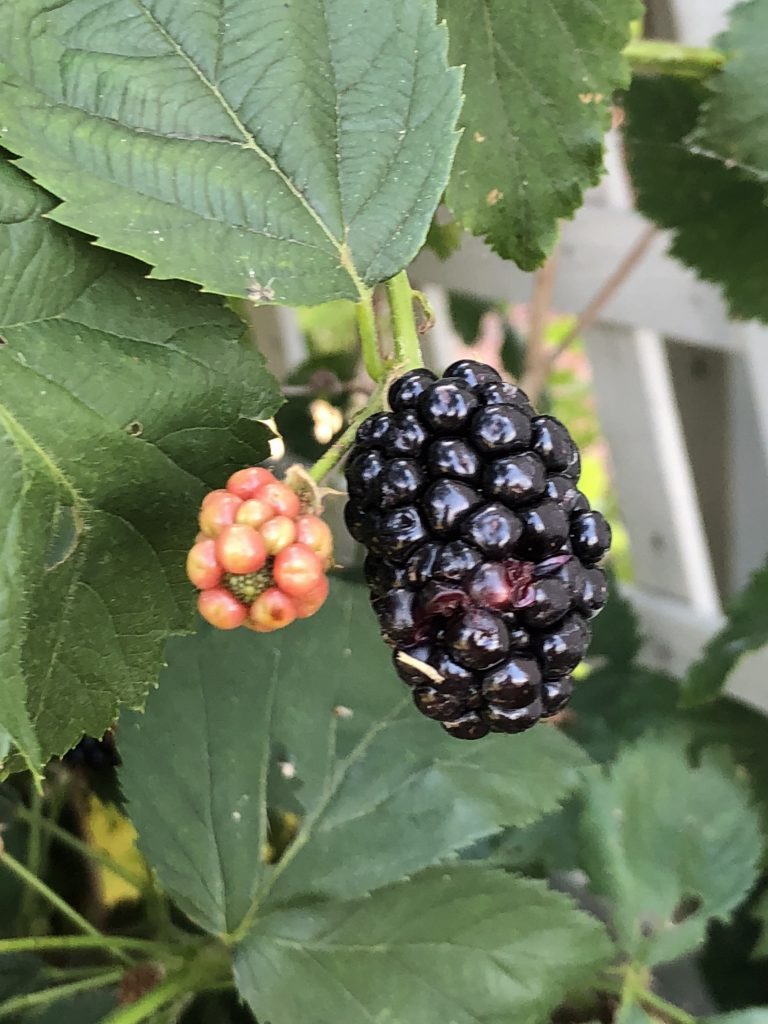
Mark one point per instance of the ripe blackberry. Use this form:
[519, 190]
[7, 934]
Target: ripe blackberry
[482, 550]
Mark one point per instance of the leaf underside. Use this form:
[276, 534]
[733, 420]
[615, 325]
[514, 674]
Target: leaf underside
[120, 400]
[717, 213]
[285, 152]
[734, 120]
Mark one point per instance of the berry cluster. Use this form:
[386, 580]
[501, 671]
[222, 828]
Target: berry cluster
[261, 555]
[482, 551]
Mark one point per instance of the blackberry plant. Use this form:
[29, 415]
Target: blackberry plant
[281, 837]
[482, 551]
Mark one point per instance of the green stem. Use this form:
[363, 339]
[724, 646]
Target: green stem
[407, 347]
[33, 815]
[369, 342]
[13, 1006]
[668, 1010]
[65, 837]
[68, 943]
[331, 458]
[658, 56]
[157, 998]
[54, 899]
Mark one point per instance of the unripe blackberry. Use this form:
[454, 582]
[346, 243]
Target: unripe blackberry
[261, 558]
[482, 550]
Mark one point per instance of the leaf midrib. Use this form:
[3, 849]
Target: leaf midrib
[251, 143]
[342, 771]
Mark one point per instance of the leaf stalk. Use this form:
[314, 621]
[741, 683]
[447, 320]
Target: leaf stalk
[660, 56]
[404, 330]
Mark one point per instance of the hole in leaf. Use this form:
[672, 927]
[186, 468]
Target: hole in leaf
[135, 428]
[3, 341]
[66, 529]
[686, 908]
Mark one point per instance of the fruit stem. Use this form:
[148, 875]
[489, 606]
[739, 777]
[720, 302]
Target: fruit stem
[34, 854]
[366, 326]
[26, 876]
[659, 56]
[331, 458]
[68, 943]
[406, 336]
[157, 998]
[44, 997]
[667, 1010]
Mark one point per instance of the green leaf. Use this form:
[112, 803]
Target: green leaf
[754, 1015]
[200, 799]
[734, 121]
[19, 973]
[671, 846]
[746, 630]
[444, 239]
[759, 913]
[385, 792]
[615, 634]
[717, 214]
[542, 848]
[86, 1008]
[633, 1013]
[294, 153]
[538, 86]
[616, 706]
[119, 398]
[464, 945]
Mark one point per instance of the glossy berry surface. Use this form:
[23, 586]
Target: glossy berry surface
[482, 550]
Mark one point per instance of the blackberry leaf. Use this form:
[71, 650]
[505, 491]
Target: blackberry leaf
[669, 864]
[288, 153]
[734, 121]
[533, 127]
[120, 399]
[746, 630]
[461, 944]
[717, 213]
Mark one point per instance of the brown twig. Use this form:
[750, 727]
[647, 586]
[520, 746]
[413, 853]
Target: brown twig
[537, 361]
[586, 318]
[592, 310]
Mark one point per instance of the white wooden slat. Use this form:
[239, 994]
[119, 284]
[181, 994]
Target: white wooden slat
[440, 343]
[675, 635]
[278, 338]
[748, 454]
[641, 422]
[701, 377]
[698, 21]
[664, 296]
